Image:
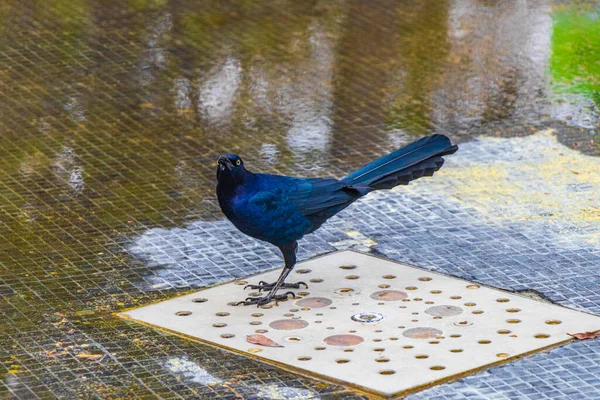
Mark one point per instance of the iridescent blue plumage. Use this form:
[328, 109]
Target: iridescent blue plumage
[281, 209]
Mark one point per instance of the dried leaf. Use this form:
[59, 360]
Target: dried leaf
[585, 335]
[88, 356]
[261, 340]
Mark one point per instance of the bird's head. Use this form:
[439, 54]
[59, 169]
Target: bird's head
[230, 167]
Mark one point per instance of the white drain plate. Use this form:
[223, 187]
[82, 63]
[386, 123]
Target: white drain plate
[420, 328]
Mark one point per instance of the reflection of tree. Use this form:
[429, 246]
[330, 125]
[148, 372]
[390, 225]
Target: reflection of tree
[499, 55]
[388, 64]
[142, 158]
[424, 49]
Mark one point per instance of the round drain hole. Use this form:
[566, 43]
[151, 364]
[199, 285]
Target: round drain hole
[314, 302]
[477, 312]
[254, 350]
[256, 315]
[342, 361]
[219, 325]
[485, 341]
[255, 323]
[389, 277]
[435, 291]
[303, 271]
[553, 322]
[470, 304]
[502, 355]
[463, 323]
[183, 313]
[425, 279]
[241, 283]
[411, 288]
[348, 350]
[456, 297]
[512, 310]
[437, 367]
[352, 277]
[227, 335]
[384, 286]
[345, 290]
[513, 321]
[261, 331]
[367, 317]
[348, 267]
[542, 336]
[316, 280]
[444, 311]
[379, 349]
[343, 340]
[421, 356]
[293, 339]
[388, 295]
[288, 324]
[200, 300]
[456, 350]
[502, 300]
[503, 332]
[222, 314]
[421, 333]
[320, 348]
[305, 358]
[387, 372]
[472, 286]
[455, 335]
[382, 360]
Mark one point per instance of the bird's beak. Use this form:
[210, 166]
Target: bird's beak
[224, 162]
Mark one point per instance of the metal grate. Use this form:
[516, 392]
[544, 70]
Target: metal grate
[373, 324]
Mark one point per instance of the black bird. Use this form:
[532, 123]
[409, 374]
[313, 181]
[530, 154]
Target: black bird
[282, 209]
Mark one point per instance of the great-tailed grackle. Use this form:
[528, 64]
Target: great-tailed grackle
[282, 209]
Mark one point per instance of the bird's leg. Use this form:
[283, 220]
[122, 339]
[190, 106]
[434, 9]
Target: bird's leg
[262, 285]
[289, 256]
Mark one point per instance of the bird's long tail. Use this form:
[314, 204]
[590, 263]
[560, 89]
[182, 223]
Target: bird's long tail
[421, 158]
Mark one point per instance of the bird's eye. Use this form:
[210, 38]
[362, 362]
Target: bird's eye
[238, 162]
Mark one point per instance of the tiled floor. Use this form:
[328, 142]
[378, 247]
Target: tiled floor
[112, 116]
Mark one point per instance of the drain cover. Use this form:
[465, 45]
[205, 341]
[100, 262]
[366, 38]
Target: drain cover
[380, 326]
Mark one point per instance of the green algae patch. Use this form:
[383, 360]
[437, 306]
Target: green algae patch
[537, 180]
[575, 60]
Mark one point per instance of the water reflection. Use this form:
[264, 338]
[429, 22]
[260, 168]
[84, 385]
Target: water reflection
[124, 110]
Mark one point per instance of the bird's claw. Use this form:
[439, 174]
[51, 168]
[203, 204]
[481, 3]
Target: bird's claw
[261, 301]
[262, 285]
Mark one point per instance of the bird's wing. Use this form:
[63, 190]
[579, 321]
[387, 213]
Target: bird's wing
[316, 195]
[291, 207]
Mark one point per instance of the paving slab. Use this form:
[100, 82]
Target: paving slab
[380, 326]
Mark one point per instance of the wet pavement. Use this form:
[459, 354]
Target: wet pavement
[112, 116]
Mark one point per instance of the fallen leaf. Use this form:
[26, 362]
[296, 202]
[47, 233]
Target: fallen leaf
[261, 340]
[585, 335]
[88, 356]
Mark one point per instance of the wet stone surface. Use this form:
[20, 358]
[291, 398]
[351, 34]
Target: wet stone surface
[113, 113]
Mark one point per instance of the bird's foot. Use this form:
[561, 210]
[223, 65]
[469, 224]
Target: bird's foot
[261, 301]
[262, 285]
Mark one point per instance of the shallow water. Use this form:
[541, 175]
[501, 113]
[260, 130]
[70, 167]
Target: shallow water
[113, 114]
